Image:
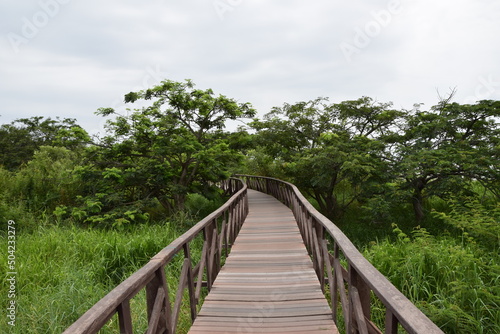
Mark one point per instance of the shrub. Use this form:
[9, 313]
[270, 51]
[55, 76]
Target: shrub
[475, 218]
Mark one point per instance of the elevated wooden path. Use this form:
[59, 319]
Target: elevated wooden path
[268, 283]
[283, 257]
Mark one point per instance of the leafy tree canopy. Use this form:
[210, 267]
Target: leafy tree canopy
[20, 139]
[329, 149]
[446, 148]
[166, 150]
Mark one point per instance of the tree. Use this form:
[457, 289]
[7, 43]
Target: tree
[443, 150]
[168, 149]
[331, 151]
[20, 139]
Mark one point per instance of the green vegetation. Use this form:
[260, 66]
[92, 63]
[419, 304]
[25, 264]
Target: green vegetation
[455, 282]
[417, 191]
[65, 270]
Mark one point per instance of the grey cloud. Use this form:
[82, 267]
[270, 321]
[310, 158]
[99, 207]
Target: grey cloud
[266, 52]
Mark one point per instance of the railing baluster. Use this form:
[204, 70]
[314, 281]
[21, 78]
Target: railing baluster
[125, 317]
[342, 292]
[223, 241]
[334, 290]
[233, 222]
[217, 251]
[329, 273]
[203, 265]
[310, 243]
[208, 239]
[230, 228]
[180, 291]
[211, 270]
[157, 283]
[357, 310]
[156, 313]
[190, 282]
[316, 255]
[356, 281]
[391, 323]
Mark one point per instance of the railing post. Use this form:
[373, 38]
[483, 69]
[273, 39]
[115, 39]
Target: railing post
[391, 323]
[362, 290]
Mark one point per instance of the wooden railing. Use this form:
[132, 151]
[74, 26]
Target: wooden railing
[355, 285]
[219, 230]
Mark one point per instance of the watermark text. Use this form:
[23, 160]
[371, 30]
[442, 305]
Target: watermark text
[11, 273]
[31, 27]
[363, 36]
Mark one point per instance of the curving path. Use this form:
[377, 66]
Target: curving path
[268, 284]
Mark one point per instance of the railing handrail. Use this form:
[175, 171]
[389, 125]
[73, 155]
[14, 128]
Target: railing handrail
[150, 276]
[399, 308]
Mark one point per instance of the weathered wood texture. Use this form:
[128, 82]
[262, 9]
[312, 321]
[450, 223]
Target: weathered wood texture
[353, 286]
[268, 283]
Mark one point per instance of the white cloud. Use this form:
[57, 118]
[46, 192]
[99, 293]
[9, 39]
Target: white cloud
[90, 53]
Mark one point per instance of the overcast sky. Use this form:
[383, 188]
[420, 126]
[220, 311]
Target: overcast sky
[69, 57]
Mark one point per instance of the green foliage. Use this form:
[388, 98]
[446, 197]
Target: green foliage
[452, 281]
[360, 162]
[443, 150]
[63, 271]
[38, 188]
[331, 151]
[160, 153]
[23, 137]
[475, 218]
[258, 162]
[199, 206]
[47, 180]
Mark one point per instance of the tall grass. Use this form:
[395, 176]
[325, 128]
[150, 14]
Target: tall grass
[64, 270]
[454, 281]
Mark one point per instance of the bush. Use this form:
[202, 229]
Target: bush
[475, 218]
[44, 182]
[198, 206]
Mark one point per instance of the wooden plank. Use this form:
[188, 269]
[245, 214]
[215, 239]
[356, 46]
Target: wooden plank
[270, 321]
[268, 283]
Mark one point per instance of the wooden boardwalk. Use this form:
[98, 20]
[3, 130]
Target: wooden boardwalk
[268, 284]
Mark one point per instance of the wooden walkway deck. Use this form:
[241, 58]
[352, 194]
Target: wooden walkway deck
[268, 284]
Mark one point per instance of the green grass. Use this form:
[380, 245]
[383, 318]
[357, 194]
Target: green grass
[452, 276]
[454, 282]
[63, 271]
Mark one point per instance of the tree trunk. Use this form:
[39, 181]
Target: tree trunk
[179, 201]
[333, 209]
[165, 204]
[418, 200]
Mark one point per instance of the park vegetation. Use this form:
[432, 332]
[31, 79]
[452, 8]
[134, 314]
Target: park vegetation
[418, 191]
